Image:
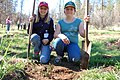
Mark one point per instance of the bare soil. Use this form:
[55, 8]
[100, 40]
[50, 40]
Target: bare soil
[36, 71]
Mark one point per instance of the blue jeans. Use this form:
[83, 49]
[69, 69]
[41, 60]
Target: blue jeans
[7, 27]
[39, 47]
[72, 49]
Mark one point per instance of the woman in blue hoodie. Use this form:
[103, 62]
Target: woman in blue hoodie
[42, 33]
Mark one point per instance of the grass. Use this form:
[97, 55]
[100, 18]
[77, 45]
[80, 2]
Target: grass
[16, 47]
[99, 49]
[96, 74]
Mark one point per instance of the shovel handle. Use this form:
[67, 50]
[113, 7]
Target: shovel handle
[30, 29]
[86, 24]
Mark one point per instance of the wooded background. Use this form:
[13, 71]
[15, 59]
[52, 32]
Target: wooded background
[103, 13]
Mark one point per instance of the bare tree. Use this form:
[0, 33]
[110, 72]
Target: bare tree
[78, 8]
[15, 3]
[5, 10]
[103, 16]
[117, 12]
[21, 10]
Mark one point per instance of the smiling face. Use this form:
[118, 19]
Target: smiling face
[69, 11]
[43, 10]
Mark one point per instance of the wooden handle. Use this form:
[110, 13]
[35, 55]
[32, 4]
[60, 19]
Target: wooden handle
[86, 24]
[30, 29]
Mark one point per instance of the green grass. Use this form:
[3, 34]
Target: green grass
[99, 49]
[16, 47]
[97, 74]
[11, 47]
[6, 67]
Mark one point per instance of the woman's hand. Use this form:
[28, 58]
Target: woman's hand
[45, 41]
[66, 41]
[64, 38]
[87, 19]
[31, 19]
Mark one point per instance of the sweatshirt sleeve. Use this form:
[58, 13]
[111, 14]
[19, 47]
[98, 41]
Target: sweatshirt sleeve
[51, 30]
[28, 28]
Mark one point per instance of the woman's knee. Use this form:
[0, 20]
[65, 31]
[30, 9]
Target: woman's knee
[44, 59]
[76, 59]
[57, 42]
[74, 52]
[75, 56]
[35, 38]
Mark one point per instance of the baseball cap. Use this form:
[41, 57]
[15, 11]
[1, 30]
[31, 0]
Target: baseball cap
[70, 3]
[43, 4]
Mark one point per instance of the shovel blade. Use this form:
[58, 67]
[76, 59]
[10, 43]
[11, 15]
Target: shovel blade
[85, 55]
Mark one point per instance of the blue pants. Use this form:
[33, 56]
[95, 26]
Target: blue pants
[7, 27]
[39, 47]
[72, 49]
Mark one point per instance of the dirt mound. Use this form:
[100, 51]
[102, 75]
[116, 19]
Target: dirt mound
[36, 71]
[51, 71]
